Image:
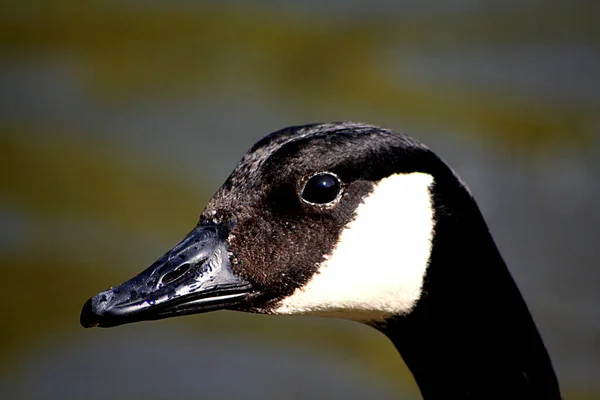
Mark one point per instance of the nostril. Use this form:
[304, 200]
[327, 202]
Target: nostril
[175, 274]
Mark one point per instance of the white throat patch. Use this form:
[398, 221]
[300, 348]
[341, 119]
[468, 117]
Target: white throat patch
[379, 262]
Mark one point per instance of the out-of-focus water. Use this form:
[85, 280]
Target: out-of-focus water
[168, 363]
[542, 211]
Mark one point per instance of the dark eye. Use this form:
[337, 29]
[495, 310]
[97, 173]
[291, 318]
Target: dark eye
[321, 188]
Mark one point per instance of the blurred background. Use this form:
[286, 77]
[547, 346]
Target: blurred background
[119, 119]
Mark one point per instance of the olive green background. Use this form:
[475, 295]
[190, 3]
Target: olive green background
[119, 119]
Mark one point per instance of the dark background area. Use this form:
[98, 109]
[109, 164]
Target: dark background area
[119, 119]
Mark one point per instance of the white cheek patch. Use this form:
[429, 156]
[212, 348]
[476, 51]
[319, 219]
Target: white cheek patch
[379, 262]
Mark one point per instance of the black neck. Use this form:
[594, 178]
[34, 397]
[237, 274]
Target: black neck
[471, 334]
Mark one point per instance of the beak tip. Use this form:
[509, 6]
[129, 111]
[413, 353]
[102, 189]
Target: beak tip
[88, 318]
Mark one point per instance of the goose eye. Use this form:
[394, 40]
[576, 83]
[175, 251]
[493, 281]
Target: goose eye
[322, 188]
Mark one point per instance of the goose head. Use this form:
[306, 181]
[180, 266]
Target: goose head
[330, 219]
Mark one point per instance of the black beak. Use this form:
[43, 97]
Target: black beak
[193, 277]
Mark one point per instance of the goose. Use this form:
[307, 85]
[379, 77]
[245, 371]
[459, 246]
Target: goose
[359, 222]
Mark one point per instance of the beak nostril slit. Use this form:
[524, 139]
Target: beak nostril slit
[176, 274]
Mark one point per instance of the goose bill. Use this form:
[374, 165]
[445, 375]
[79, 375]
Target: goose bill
[193, 277]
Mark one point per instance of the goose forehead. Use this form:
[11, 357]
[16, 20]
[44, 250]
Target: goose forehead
[268, 146]
[250, 178]
[319, 140]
